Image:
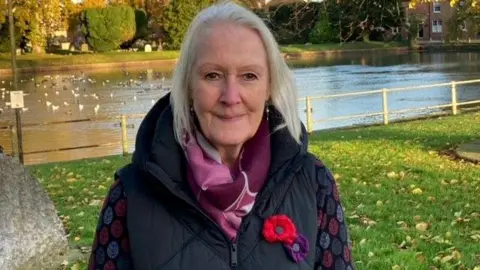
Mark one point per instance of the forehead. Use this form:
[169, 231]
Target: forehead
[230, 43]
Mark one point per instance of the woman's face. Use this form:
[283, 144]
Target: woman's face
[230, 84]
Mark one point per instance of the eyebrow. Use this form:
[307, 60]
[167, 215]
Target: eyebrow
[255, 67]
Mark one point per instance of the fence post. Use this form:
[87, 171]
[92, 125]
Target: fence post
[123, 125]
[454, 97]
[385, 106]
[13, 137]
[309, 115]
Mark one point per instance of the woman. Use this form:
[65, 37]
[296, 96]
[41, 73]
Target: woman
[221, 177]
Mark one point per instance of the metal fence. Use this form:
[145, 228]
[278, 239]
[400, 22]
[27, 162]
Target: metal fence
[122, 121]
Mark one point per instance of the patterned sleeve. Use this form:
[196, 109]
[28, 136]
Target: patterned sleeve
[333, 250]
[111, 247]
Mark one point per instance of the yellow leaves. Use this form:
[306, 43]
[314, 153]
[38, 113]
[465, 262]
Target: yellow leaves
[422, 226]
[396, 267]
[363, 241]
[379, 203]
[475, 236]
[77, 238]
[394, 175]
[71, 180]
[371, 254]
[417, 191]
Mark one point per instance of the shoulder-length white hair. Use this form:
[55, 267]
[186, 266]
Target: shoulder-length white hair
[283, 90]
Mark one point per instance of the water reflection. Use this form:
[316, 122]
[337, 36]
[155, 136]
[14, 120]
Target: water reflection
[67, 96]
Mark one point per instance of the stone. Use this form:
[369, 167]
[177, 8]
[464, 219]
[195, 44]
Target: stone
[148, 48]
[65, 46]
[469, 151]
[32, 235]
[84, 47]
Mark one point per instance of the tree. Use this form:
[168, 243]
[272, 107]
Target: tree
[177, 17]
[107, 28]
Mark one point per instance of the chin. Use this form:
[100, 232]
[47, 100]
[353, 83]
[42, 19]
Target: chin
[232, 138]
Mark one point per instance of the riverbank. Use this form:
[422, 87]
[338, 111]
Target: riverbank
[406, 203]
[62, 62]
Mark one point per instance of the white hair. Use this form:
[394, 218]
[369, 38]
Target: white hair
[282, 86]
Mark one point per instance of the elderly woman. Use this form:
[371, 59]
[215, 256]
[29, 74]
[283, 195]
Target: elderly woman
[221, 177]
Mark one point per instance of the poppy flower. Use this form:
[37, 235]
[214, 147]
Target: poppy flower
[298, 250]
[279, 228]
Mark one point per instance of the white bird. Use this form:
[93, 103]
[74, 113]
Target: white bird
[48, 103]
[134, 97]
[76, 95]
[80, 107]
[57, 93]
[96, 109]
[24, 109]
[66, 103]
[54, 108]
[111, 95]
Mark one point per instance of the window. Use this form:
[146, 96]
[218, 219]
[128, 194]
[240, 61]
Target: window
[437, 26]
[436, 7]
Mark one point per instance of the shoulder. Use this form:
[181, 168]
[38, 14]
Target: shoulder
[319, 174]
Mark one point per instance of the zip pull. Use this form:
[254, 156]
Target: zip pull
[233, 255]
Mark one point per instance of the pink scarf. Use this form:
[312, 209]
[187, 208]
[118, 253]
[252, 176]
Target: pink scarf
[227, 196]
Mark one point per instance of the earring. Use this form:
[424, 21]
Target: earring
[191, 110]
[267, 110]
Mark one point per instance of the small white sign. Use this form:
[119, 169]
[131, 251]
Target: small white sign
[16, 99]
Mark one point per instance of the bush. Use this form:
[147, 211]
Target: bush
[106, 28]
[5, 38]
[322, 32]
[177, 17]
[141, 22]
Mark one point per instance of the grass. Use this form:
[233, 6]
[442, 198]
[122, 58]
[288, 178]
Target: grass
[301, 48]
[64, 59]
[39, 60]
[407, 206]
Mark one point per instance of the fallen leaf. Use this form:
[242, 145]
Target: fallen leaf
[77, 238]
[379, 203]
[370, 254]
[417, 191]
[446, 259]
[420, 257]
[74, 267]
[422, 226]
[392, 175]
[363, 241]
[71, 180]
[81, 214]
[396, 267]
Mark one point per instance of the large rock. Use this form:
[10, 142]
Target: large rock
[31, 233]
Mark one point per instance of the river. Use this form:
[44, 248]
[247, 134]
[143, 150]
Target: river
[90, 94]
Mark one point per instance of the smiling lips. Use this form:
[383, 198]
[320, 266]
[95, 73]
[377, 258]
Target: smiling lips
[230, 117]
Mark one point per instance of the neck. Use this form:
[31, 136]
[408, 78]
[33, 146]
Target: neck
[230, 155]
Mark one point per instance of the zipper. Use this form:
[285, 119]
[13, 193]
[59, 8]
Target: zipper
[233, 255]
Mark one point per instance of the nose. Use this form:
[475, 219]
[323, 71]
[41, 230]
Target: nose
[231, 92]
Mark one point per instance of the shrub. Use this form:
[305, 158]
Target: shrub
[322, 32]
[106, 28]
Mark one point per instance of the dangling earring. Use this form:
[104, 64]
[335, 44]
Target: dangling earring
[191, 110]
[267, 110]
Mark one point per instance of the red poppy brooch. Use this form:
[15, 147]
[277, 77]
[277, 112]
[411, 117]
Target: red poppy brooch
[281, 229]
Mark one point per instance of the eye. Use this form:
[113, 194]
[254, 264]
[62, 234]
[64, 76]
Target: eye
[250, 76]
[212, 76]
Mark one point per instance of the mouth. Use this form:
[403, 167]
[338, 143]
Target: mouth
[230, 118]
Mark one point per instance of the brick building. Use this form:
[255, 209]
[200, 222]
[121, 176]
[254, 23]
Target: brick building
[436, 16]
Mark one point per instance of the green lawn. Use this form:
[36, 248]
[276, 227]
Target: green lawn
[299, 48]
[407, 206]
[39, 60]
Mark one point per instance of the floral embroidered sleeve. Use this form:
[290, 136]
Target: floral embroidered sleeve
[333, 250]
[111, 248]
